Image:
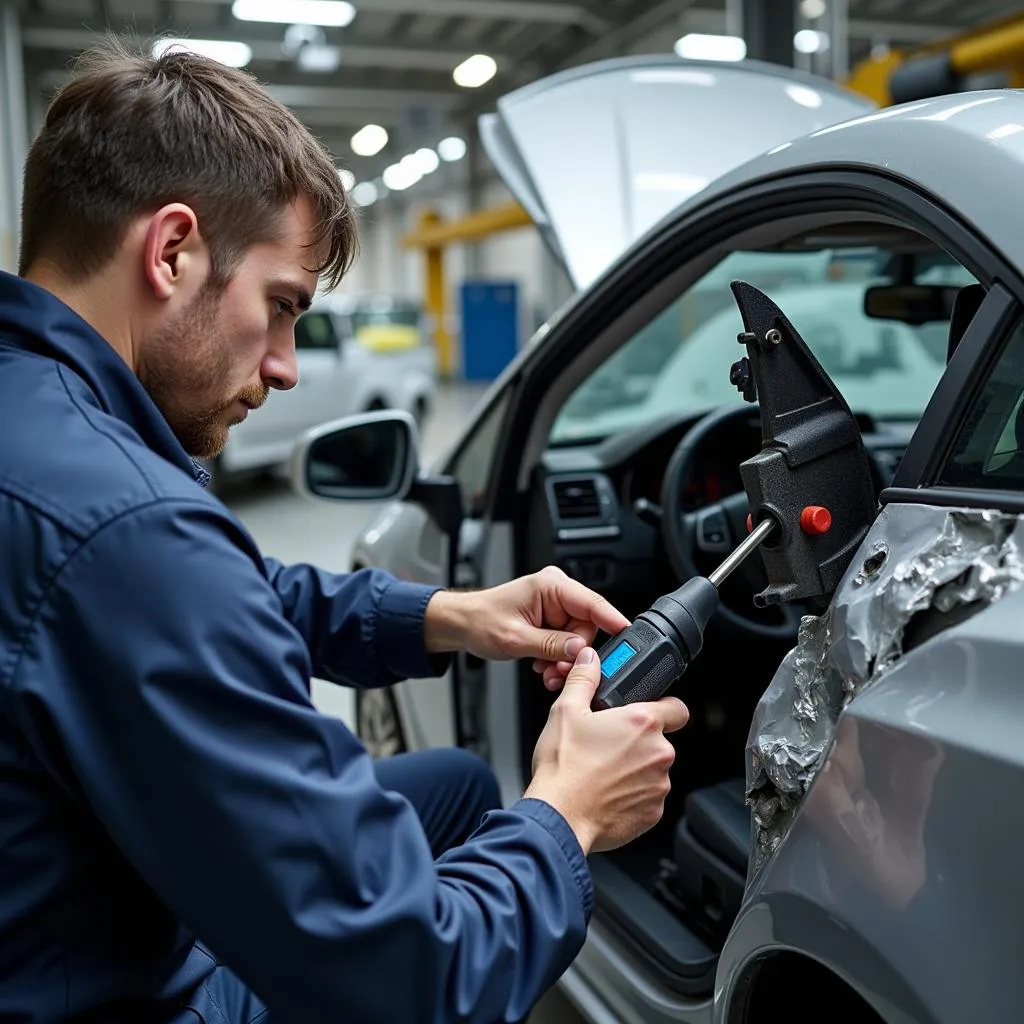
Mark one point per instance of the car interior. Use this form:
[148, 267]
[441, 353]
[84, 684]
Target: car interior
[594, 504]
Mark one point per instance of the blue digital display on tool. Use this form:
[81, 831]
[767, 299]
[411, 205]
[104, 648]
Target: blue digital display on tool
[618, 657]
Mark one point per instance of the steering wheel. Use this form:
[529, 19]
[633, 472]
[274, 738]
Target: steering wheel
[708, 534]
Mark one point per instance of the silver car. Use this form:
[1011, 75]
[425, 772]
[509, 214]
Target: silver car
[837, 845]
[355, 353]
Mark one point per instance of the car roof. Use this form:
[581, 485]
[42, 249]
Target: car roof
[965, 149]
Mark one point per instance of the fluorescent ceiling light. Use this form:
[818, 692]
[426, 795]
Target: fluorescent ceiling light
[296, 12]
[320, 59]
[451, 149]
[234, 55]
[696, 46]
[398, 177]
[475, 71]
[369, 140]
[348, 179]
[364, 194]
[426, 160]
[809, 41]
[812, 9]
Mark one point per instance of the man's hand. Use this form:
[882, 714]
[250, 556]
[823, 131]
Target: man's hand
[546, 616]
[605, 772]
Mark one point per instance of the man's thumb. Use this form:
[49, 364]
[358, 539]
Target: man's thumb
[581, 682]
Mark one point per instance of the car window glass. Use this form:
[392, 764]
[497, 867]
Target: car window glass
[474, 463]
[315, 331]
[680, 361]
[989, 450]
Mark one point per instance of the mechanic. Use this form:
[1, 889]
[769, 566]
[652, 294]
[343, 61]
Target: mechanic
[182, 835]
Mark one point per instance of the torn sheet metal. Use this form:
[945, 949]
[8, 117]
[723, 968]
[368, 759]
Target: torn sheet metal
[915, 558]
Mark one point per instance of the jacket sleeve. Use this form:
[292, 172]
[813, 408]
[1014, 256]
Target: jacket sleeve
[363, 628]
[184, 713]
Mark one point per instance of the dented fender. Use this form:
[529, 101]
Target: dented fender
[915, 559]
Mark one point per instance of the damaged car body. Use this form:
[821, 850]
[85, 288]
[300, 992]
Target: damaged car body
[859, 685]
[921, 559]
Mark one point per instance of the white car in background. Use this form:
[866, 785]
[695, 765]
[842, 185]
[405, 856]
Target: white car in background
[356, 353]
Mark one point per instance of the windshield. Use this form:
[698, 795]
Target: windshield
[679, 362]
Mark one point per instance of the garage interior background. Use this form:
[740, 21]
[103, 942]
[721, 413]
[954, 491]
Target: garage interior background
[394, 88]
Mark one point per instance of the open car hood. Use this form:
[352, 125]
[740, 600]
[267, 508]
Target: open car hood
[599, 154]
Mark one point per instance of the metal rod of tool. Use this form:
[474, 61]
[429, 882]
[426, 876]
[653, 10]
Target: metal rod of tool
[734, 558]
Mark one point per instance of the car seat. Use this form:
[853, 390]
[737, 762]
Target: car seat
[712, 849]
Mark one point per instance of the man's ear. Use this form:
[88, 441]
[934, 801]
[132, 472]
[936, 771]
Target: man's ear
[175, 255]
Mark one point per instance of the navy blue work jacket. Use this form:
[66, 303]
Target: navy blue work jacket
[169, 797]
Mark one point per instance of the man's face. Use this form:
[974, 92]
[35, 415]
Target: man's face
[216, 359]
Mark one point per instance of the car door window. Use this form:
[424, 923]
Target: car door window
[989, 450]
[680, 361]
[474, 464]
[315, 331]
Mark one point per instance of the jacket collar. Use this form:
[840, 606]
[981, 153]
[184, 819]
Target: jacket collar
[33, 319]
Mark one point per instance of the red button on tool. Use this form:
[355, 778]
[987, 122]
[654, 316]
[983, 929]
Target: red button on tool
[750, 522]
[815, 520]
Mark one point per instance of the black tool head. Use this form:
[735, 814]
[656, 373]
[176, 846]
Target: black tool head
[812, 457]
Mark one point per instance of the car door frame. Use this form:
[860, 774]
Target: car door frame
[657, 257]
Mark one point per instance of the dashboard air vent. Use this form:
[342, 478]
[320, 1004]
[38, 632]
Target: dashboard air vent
[577, 499]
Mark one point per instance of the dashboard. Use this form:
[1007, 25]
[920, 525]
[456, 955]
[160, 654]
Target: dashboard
[595, 509]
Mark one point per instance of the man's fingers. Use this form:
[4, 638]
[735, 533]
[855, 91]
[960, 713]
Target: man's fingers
[674, 713]
[581, 682]
[589, 607]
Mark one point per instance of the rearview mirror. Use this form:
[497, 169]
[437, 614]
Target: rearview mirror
[913, 304]
[371, 457]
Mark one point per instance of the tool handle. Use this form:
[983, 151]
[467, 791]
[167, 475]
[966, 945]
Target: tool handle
[638, 664]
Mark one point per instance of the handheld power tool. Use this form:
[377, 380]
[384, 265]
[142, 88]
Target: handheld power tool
[811, 447]
[650, 655]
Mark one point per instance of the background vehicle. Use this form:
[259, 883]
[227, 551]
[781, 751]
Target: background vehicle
[876, 890]
[356, 353]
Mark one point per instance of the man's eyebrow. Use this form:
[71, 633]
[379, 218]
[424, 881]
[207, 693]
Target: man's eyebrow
[303, 299]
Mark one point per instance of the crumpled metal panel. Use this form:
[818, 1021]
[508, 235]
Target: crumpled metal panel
[915, 558]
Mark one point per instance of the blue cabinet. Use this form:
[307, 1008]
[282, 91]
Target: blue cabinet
[490, 327]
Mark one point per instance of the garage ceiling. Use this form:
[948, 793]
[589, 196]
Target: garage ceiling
[395, 59]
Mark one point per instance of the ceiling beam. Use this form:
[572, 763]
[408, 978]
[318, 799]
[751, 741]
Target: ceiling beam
[704, 19]
[555, 12]
[266, 46]
[339, 97]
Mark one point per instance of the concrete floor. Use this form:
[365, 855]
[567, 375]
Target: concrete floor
[297, 530]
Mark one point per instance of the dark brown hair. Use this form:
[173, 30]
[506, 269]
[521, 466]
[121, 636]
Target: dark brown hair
[130, 133]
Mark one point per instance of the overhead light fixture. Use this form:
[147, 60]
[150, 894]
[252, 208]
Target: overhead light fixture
[807, 40]
[319, 59]
[364, 194]
[451, 149]
[398, 177]
[475, 71]
[369, 140]
[234, 55]
[697, 46]
[427, 160]
[812, 9]
[348, 179]
[333, 13]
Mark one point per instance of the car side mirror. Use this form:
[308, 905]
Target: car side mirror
[374, 457]
[371, 457]
[914, 304]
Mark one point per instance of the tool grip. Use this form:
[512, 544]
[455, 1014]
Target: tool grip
[648, 673]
